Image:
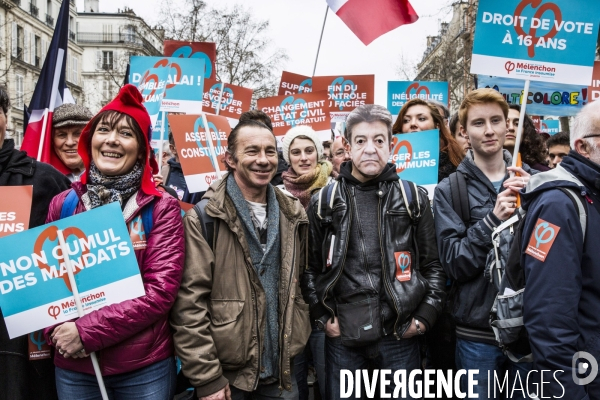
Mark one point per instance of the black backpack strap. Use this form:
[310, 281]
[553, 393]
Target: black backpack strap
[460, 196]
[207, 223]
[325, 205]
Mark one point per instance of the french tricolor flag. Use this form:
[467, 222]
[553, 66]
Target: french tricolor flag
[369, 19]
[50, 92]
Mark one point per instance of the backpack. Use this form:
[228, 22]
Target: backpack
[71, 201]
[208, 226]
[507, 274]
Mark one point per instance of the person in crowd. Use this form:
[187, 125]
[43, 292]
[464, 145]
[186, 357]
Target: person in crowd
[532, 150]
[132, 338]
[67, 122]
[239, 318]
[418, 115]
[561, 265]
[167, 154]
[464, 245]
[372, 266]
[339, 153]
[174, 179]
[327, 150]
[558, 148]
[461, 139]
[444, 112]
[23, 379]
[308, 171]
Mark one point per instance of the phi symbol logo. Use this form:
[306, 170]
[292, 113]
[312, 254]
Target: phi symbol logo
[403, 261]
[509, 67]
[540, 237]
[54, 311]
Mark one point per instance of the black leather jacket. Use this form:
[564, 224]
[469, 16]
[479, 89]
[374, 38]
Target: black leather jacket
[423, 295]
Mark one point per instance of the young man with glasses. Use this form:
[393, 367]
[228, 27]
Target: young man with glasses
[339, 154]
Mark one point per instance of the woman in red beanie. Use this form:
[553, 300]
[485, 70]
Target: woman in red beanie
[132, 339]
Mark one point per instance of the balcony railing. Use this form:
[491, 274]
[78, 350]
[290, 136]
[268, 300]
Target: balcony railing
[34, 10]
[130, 39]
[49, 20]
[17, 2]
[20, 53]
[107, 67]
[72, 35]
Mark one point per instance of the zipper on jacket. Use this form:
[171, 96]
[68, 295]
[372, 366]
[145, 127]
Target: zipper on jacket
[287, 300]
[343, 260]
[384, 272]
[362, 242]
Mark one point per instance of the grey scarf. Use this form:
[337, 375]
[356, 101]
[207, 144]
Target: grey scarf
[104, 189]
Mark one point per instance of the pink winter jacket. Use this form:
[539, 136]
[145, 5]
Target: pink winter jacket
[135, 333]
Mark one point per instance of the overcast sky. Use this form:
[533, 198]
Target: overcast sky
[295, 26]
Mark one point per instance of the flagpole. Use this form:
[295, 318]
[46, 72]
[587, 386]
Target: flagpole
[521, 122]
[161, 141]
[220, 98]
[43, 136]
[80, 313]
[320, 40]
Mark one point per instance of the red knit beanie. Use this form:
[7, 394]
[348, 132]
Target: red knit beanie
[128, 101]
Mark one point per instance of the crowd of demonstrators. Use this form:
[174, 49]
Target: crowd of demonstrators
[373, 234]
[465, 241]
[23, 379]
[558, 147]
[290, 253]
[563, 291]
[418, 115]
[167, 154]
[239, 318]
[308, 173]
[532, 150]
[133, 336]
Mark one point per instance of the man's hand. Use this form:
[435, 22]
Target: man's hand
[506, 204]
[412, 329]
[223, 394]
[332, 329]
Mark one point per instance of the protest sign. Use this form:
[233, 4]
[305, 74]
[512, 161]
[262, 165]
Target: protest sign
[537, 122]
[594, 88]
[550, 126]
[206, 51]
[399, 92]
[345, 93]
[293, 83]
[152, 87]
[157, 132]
[35, 291]
[534, 40]
[544, 98]
[416, 156]
[185, 82]
[200, 158]
[234, 100]
[286, 112]
[15, 209]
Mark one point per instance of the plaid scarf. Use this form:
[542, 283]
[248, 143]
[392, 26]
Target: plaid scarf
[104, 189]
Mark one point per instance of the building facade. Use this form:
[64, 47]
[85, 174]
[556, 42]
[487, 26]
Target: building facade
[26, 29]
[448, 55]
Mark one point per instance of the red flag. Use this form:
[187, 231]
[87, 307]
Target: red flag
[369, 19]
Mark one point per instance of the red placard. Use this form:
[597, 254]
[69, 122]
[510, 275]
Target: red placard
[204, 50]
[594, 89]
[294, 83]
[310, 109]
[346, 92]
[234, 101]
[197, 160]
[15, 209]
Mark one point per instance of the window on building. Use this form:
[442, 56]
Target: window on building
[37, 51]
[18, 137]
[74, 70]
[107, 60]
[129, 33]
[107, 33]
[19, 90]
[20, 42]
[106, 95]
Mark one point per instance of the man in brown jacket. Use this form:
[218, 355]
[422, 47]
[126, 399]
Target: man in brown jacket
[239, 317]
